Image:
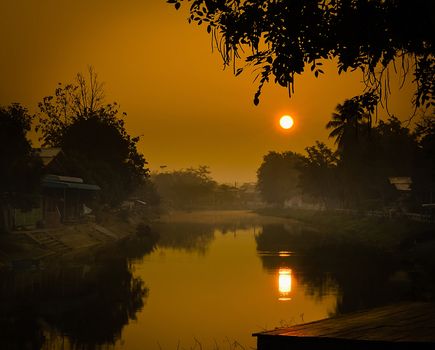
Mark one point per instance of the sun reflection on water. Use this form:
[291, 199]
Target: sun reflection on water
[284, 284]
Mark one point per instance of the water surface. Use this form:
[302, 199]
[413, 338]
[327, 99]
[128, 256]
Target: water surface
[218, 290]
[209, 279]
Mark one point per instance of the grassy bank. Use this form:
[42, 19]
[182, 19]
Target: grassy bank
[383, 233]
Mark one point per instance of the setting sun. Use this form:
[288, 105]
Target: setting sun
[286, 122]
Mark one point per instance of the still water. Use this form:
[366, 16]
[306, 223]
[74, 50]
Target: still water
[208, 281]
[220, 292]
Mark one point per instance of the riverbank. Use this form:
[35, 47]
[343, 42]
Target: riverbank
[218, 217]
[381, 233]
[30, 248]
[334, 239]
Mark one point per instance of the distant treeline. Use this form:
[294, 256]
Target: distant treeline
[359, 173]
[194, 188]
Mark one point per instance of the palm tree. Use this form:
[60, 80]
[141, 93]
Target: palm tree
[345, 122]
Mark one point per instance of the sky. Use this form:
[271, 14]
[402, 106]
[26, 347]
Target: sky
[187, 109]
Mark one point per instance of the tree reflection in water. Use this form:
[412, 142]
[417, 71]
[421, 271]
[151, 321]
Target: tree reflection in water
[193, 236]
[362, 275]
[82, 302]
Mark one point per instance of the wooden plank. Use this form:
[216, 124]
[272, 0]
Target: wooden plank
[406, 324]
[316, 343]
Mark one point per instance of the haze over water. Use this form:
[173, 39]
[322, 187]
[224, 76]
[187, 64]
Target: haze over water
[221, 294]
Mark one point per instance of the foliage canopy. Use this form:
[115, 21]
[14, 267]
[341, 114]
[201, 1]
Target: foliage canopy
[93, 137]
[278, 176]
[186, 188]
[20, 169]
[283, 38]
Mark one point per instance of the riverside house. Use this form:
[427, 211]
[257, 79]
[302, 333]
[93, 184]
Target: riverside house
[61, 199]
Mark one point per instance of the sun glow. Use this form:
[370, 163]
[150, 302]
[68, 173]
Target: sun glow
[284, 283]
[286, 122]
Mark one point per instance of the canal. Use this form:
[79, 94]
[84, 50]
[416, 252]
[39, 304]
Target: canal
[208, 282]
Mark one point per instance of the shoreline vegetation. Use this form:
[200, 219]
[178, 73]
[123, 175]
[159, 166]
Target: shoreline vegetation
[378, 232]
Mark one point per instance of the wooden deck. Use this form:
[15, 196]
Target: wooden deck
[400, 326]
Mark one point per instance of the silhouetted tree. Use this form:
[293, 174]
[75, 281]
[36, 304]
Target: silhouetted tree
[278, 176]
[71, 102]
[319, 173]
[396, 147]
[349, 119]
[425, 168]
[228, 196]
[20, 169]
[147, 191]
[99, 149]
[284, 38]
[93, 138]
[187, 188]
[350, 126]
[390, 152]
[369, 157]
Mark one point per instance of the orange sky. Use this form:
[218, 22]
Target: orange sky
[163, 73]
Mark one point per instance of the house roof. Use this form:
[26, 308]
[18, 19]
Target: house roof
[67, 182]
[62, 178]
[47, 154]
[69, 185]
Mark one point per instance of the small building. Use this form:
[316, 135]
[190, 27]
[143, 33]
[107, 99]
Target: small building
[61, 199]
[65, 199]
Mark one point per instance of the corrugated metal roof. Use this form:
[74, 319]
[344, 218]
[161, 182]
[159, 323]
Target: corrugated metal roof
[69, 185]
[52, 177]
